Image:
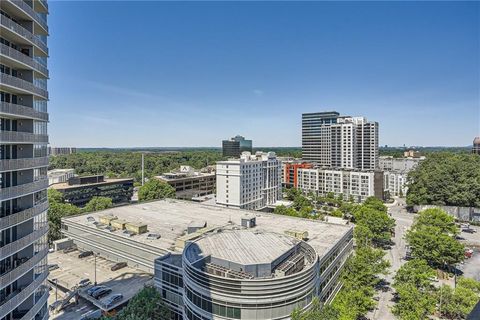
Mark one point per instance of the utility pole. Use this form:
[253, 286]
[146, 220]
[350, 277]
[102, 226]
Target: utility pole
[143, 169]
[95, 271]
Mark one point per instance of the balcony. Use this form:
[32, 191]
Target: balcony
[22, 85]
[22, 243]
[21, 164]
[23, 215]
[21, 269]
[23, 58]
[22, 111]
[22, 5]
[23, 189]
[22, 137]
[16, 298]
[22, 32]
[36, 308]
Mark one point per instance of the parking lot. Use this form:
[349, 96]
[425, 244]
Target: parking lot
[71, 270]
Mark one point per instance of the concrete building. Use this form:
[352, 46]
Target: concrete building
[412, 154]
[290, 172]
[23, 159]
[235, 146]
[189, 183]
[55, 151]
[335, 141]
[356, 184]
[389, 163]
[251, 182]
[216, 262]
[80, 190]
[395, 182]
[60, 175]
[476, 145]
[396, 173]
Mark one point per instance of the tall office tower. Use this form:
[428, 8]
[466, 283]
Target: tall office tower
[252, 182]
[476, 145]
[331, 140]
[23, 159]
[235, 146]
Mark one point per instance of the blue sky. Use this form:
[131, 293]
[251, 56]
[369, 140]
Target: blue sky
[166, 74]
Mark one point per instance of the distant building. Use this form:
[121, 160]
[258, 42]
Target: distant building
[476, 145]
[396, 173]
[235, 146]
[189, 183]
[216, 262]
[335, 141]
[358, 185]
[389, 163]
[80, 190]
[55, 151]
[395, 182]
[60, 175]
[250, 182]
[412, 154]
[290, 172]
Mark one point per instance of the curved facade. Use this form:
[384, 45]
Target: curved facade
[23, 159]
[243, 274]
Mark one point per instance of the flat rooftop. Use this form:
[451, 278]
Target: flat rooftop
[65, 185]
[170, 219]
[243, 247]
[176, 176]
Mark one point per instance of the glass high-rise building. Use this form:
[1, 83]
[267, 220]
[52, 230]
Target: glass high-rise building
[235, 146]
[23, 159]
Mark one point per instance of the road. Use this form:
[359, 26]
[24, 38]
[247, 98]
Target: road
[395, 255]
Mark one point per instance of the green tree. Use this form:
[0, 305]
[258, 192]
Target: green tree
[416, 272]
[316, 312]
[413, 303]
[437, 218]
[54, 196]
[459, 302]
[378, 221]
[353, 303]
[97, 204]
[145, 305]
[375, 203]
[155, 189]
[56, 212]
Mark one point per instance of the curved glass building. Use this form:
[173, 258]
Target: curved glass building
[23, 159]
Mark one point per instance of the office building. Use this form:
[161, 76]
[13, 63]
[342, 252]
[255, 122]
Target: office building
[251, 182]
[290, 172]
[80, 190]
[189, 183]
[235, 146]
[331, 140]
[60, 175]
[356, 185]
[476, 145]
[55, 151]
[256, 266]
[23, 159]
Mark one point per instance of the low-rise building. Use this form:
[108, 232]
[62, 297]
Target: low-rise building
[396, 172]
[358, 185]
[389, 163]
[189, 183]
[395, 182]
[251, 182]
[215, 262]
[55, 151]
[80, 190]
[59, 175]
[290, 172]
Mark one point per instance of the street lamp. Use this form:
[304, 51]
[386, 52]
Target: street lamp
[95, 268]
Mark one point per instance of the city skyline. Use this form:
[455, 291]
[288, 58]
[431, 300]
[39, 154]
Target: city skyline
[194, 74]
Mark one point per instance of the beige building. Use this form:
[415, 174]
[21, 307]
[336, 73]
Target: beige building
[189, 183]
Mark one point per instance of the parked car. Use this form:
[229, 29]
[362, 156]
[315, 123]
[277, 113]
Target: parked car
[118, 266]
[101, 293]
[68, 250]
[93, 289]
[52, 267]
[85, 254]
[469, 230]
[83, 283]
[110, 301]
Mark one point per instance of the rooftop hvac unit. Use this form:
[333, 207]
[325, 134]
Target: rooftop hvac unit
[249, 221]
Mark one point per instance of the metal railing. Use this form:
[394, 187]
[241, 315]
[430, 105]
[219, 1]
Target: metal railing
[21, 31]
[17, 55]
[22, 84]
[36, 308]
[32, 13]
[15, 300]
[22, 137]
[23, 189]
[23, 215]
[22, 111]
[21, 243]
[23, 268]
[19, 164]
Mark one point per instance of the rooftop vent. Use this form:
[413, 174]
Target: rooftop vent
[249, 221]
[90, 219]
[153, 236]
[128, 233]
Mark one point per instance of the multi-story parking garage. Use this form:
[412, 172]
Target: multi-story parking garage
[23, 159]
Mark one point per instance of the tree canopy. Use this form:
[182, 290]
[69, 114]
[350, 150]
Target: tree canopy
[155, 189]
[98, 203]
[446, 179]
